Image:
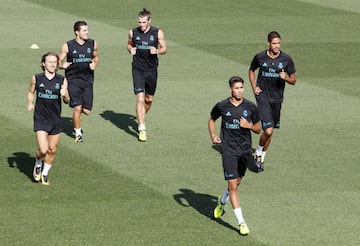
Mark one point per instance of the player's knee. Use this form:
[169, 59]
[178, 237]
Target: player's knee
[43, 151]
[233, 186]
[51, 151]
[86, 111]
[268, 132]
[148, 100]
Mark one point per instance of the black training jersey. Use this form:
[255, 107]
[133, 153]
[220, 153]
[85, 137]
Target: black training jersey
[143, 42]
[235, 139]
[268, 79]
[48, 98]
[80, 56]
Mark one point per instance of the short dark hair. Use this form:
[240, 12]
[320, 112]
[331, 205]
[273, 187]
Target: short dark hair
[145, 13]
[272, 35]
[78, 24]
[50, 53]
[235, 79]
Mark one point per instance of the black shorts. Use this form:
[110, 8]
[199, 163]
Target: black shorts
[145, 81]
[81, 93]
[50, 128]
[234, 166]
[269, 114]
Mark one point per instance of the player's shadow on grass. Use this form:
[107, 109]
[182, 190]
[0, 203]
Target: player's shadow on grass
[126, 122]
[203, 203]
[67, 126]
[22, 161]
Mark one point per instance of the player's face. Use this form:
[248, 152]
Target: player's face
[144, 23]
[237, 90]
[83, 33]
[274, 45]
[51, 63]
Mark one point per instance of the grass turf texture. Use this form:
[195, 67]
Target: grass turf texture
[113, 190]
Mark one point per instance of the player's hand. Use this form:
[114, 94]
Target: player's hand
[215, 139]
[133, 51]
[30, 106]
[92, 65]
[153, 51]
[282, 74]
[257, 90]
[65, 65]
[244, 123]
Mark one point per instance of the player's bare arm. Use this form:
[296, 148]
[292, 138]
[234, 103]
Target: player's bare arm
[31, 93]
[214, 138]
[130, 45]
[64, 92]
[63, 64]
[95, 59]
[256, 89]
[162, 44]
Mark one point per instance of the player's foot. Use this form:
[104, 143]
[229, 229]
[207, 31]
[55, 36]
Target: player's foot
[37, 173]
[243, 229]
[259, 163]
[219, 210]
[79, 139]
[142, 136]
[44, 180]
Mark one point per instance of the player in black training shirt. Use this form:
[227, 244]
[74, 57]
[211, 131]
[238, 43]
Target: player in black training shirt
[144, 43]
[276, 68]
[50, 87]
[239, 117]
[79, 57]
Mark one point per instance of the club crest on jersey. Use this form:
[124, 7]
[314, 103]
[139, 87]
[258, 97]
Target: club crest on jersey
[245, 113]
[57, 86]
[88, 50]
[281, 65]
[152, 38]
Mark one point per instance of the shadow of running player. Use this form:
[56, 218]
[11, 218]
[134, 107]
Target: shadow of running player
[22, 161]
[203, 203]
[125, 122]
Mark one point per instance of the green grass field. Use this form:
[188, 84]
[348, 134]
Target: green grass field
[114, 190]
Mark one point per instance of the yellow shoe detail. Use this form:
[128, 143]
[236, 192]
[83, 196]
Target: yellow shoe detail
[219, 210]
[142, 136]
[244, 230]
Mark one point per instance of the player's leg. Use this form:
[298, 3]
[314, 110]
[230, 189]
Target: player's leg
[265, 138]
[233, 185]
[43, 146]
[267, 121]
[77, 119]
[53, 141]
[148, 102]
[76, 101]
[139, 91]
[140, 110]
[150, 88]
[141, 113]
[87, 97]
